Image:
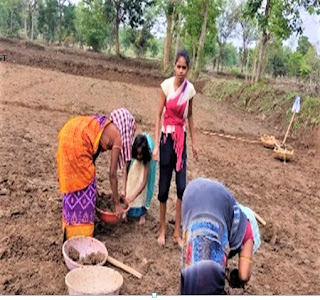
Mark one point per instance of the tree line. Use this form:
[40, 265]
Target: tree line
[205, 28]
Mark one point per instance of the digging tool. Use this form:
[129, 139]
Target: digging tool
[123, 266]
[286, 135]
[295, 109]
[262, 221]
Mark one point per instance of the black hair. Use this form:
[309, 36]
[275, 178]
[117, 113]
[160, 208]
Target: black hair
[184, 54]
[141, 142]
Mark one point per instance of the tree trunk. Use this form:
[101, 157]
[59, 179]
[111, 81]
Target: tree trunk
[254, 65]
[117, 25]
[178, 34]
[117, 39]
[60, 28]
[11, 17]
[219, 56]
[202, 38]
[261, 56]
[244, 54]
[264, 40]
[247, 65]
[25, 27]
[167, 45]
[31, 36]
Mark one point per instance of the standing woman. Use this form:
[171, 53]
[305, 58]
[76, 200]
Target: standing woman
[176, 103]
[79, 143]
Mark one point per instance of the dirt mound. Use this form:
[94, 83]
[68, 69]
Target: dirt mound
[85, 63]
[81, 63]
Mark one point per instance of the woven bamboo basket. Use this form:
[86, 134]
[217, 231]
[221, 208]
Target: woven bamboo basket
[268, 141]
[283, 154]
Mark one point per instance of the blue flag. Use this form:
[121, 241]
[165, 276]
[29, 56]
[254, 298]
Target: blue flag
[296, 105]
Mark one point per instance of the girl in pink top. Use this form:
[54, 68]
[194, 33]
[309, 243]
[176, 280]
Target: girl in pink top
[175, 103]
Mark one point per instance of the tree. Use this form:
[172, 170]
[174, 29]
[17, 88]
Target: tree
[170, 10]
[230, 55]
[227, 23]
[154, 47]
[277, 18]
[278, 59]
[61, 5]
[249, 32]
[197, 30]
[202, 36]
[69, 19]
[10, 17]
[312, 59]
[140, 39]
[48, 19]
[91, 24]
[127, 12]
[31, 7]
[294, 63]
[303, 45]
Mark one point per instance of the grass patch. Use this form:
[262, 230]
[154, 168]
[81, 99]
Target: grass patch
[265, 98]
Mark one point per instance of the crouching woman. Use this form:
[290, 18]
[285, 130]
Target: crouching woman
[214, 229]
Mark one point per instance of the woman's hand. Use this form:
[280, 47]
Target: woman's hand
[123, 193]
[119, 211]
[234, 280]
[195, 151]
[155, 153]
[129, 200]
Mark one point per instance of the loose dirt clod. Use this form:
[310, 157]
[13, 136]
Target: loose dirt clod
[93, 258]
[74, 254]
[105, 202]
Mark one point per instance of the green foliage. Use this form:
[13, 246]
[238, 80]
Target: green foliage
[154, 47]
[264, 98]
[91, 24]
[230, 55]
[282, 19]
[10, 17]
[310, 108]
[141, 39]
[294, 63]
[191, 29]
[69, 16]
[130, 12]
[48, 19]
[277, 64]
[303, 45]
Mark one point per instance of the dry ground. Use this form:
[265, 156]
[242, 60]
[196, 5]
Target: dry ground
[40, 91]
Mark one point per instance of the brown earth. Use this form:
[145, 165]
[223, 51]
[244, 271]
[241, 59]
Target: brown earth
[41, 88]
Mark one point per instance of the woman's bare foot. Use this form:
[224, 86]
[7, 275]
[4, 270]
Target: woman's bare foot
[142, 220]
[161, 239]
[178, 240]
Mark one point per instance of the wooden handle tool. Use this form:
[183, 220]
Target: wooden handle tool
[124, 267]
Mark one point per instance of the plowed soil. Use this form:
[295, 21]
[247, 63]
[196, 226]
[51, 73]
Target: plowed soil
[41, 88]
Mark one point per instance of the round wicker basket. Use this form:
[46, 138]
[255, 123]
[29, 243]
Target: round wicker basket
[283, 154]
[268, 141]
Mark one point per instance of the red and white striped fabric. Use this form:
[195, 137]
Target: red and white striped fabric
[125, 123]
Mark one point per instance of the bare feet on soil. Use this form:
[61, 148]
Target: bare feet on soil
[142, 220]
[178, 240]
[161, 239]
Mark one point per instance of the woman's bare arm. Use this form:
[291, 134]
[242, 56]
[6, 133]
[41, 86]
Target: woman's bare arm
[142, 185]
[245, 261]
[192, 130]
[161, 103]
